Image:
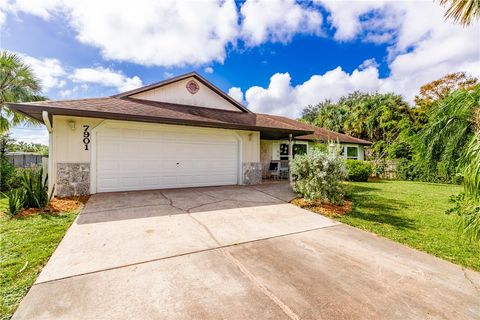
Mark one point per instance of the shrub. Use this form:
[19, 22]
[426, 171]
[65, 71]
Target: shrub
[469, 211]
[36, 189]
[409, 170]
[16, 200]
[358, 170]
[318, 176]
[7, 171]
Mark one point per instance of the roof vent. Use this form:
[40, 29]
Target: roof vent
[192, 87]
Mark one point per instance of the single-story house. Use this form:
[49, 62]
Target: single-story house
[181, 132]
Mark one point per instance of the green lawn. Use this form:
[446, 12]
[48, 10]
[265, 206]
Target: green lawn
[25, 246]
[413, 213]
[3, 204]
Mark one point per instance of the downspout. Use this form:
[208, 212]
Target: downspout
[48, 124]
[290, 156]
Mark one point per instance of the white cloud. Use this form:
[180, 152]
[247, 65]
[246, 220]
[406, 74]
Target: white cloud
[422, 47]
[106, 77]
[167, 75]
[166, 33]
[277, 20]
[349, 19]
[208, 70]
[49, 71]
[37, 134]
[65, 81]
[236, 93]
[281, 98]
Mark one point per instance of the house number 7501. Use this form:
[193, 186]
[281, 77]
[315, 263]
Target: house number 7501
[86, 136]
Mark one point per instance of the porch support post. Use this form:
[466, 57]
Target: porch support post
[290, 156]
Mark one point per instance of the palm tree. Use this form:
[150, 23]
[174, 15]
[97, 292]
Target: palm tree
[469, 203]
[462, 11]
[449, 130]
[17, 84]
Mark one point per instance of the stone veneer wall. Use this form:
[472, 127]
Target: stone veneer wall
[251, 172]
[73, 179]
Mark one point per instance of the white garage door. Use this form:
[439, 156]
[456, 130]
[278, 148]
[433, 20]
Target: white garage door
[142, 157]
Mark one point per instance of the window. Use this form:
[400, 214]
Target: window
[284, 151]
[352, 152]
[299, 149]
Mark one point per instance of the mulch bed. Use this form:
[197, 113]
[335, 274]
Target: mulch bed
[57, 205]
[327, 209]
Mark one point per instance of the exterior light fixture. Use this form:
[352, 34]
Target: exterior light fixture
[71, 124]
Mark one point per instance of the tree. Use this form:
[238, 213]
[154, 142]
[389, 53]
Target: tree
[326, 115]
[449, 129]
[380, 118]
[17, 84]
[6, 168]
[437, 90]
[22, 146]
[462, 11]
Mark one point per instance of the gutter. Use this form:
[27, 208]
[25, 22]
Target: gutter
[51, 178]
[47, 122]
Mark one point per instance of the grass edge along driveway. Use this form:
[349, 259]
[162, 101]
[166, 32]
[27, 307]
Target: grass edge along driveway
[413, 213]
[26, 244]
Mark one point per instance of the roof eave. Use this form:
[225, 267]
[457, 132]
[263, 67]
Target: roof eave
[364, 143]
[31, 110]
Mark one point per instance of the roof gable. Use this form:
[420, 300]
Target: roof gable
[188, 89]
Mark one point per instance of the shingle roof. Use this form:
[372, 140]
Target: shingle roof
[124, 106]
[270, 126]
[161, 112]
[320, 134]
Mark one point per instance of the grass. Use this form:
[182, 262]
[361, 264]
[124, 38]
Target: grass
[413, 213]
[3, 204]
[26, 244]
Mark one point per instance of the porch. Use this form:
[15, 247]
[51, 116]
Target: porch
[275, 156]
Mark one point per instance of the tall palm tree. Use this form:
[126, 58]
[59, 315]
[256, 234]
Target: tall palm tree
[17, 84]
[462, 11]
[450, 128]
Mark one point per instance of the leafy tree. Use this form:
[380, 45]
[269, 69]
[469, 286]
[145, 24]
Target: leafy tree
[22, 146]
[377, 117]
[437, 90]
[17, 84]
[462, 11]
[326, 115]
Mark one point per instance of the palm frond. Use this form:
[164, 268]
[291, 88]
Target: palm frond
[17, 84]
[462, 11]
[450, 128]
[470, 163]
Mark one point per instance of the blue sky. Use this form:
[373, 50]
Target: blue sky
[275, 56]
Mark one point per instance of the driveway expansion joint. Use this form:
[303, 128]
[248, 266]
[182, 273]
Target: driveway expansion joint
[474, 285]
[183, 254]
[285, 308]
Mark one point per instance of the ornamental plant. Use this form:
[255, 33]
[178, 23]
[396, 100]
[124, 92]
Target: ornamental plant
[318, 176]
[36, 189]
[358, 170]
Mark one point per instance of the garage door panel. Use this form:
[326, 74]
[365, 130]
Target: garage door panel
[139, 159]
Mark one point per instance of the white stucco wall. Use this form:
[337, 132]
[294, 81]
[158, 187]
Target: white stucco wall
[177, 93]
[68, 146]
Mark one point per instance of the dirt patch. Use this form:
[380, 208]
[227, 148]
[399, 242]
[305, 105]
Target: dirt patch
[57, 205]
[326, 209]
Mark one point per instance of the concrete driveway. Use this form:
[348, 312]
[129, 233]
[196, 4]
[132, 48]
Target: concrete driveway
[237, 253]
